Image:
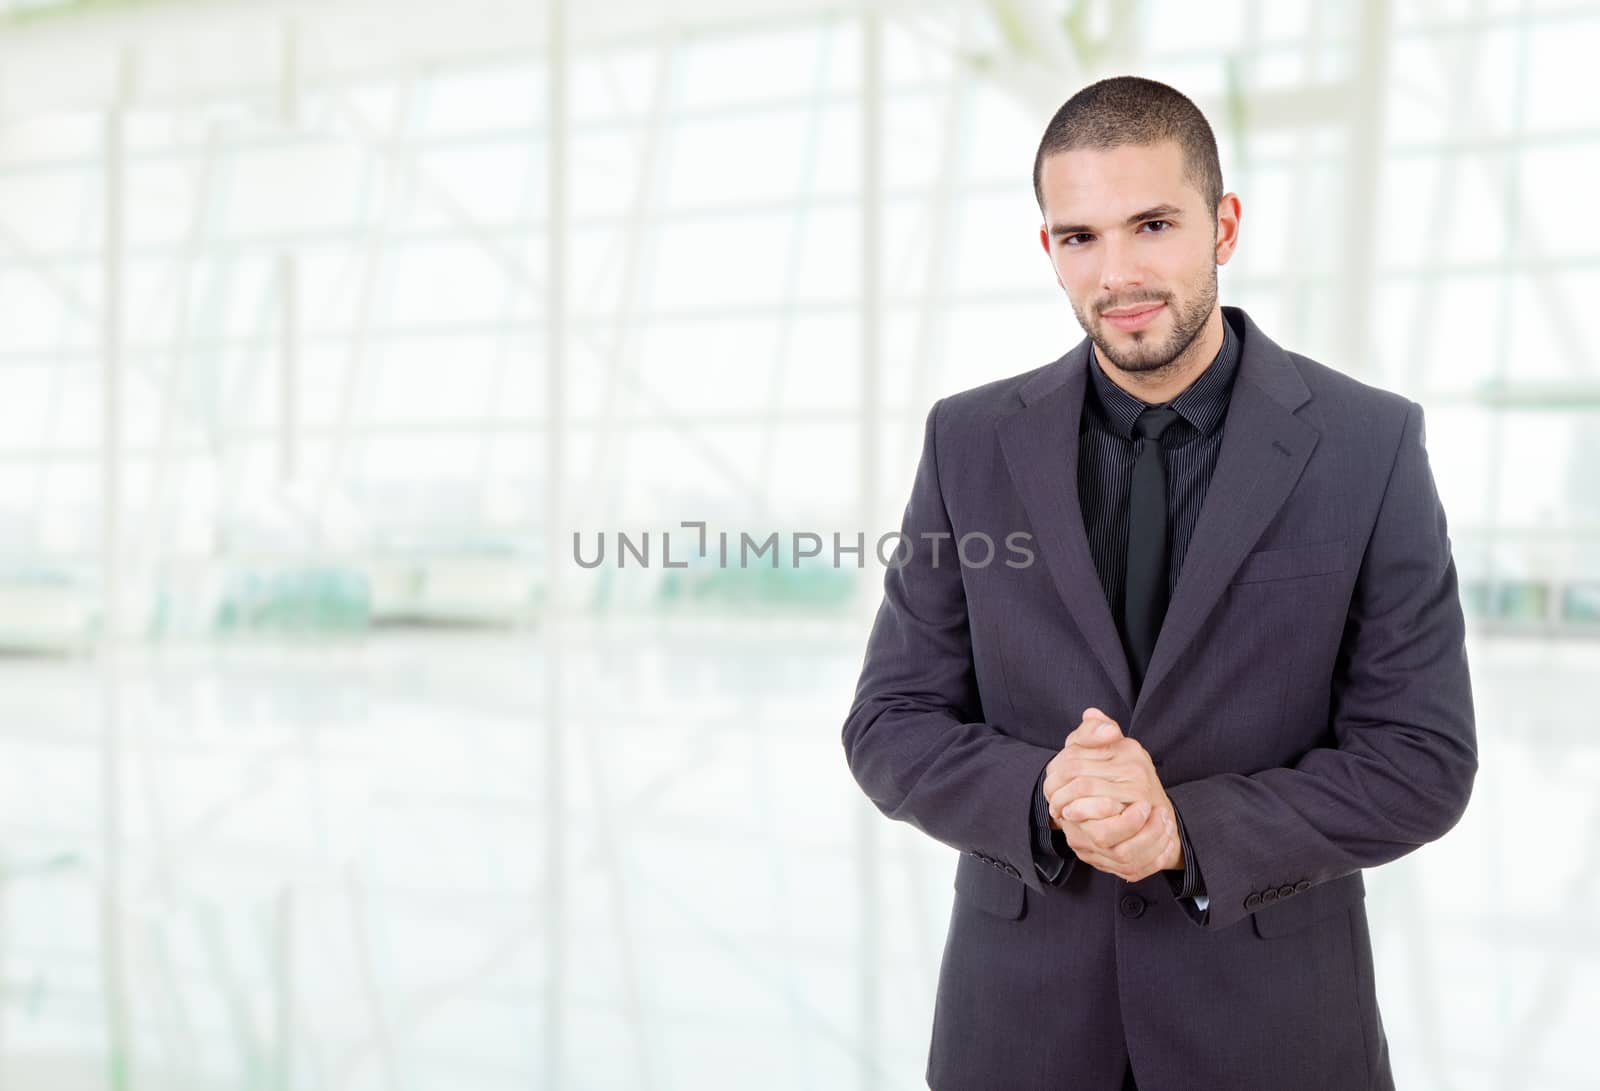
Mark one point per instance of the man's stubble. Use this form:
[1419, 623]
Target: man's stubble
[1147, 357]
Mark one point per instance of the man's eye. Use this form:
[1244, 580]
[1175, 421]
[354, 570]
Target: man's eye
[1071, 240]
[1152, 223]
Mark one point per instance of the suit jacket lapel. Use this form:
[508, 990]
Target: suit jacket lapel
[1041, 451]
[1263, 451]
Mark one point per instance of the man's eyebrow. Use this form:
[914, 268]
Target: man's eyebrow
[1156, 212]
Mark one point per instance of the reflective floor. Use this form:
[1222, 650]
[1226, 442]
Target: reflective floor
[626, 855]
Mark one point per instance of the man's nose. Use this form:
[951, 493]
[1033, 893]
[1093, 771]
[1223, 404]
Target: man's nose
[1119, 271]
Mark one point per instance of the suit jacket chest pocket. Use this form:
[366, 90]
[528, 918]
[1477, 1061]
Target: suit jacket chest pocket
[1291, 562]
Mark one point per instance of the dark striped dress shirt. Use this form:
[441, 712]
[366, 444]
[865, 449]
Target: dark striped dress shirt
[1107, 449]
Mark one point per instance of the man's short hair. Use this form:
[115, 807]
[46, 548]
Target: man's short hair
[1132, 110]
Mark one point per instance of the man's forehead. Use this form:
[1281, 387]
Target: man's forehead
[1113, 183]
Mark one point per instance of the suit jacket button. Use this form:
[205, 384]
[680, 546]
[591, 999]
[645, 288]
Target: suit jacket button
[1132, 906]
[1011, 871]
[1269, 895]
[1286, 891]
[1253, 901]
[1303, 885]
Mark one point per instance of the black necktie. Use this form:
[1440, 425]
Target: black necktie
[1145, 603]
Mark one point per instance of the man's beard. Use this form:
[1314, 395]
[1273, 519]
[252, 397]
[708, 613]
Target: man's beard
[1146, 354]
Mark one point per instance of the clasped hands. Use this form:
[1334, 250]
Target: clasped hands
[1107, 801]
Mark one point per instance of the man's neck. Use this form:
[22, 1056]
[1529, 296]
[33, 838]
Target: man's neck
[1161, 385]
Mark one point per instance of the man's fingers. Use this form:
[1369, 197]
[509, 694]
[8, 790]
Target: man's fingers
[1118, 830]
[1096, 729]
[1077, 762]
[1122, 791]
[1085, 809]
[1147, 845]
[1103, 752]
[1090, 807]
[1133, 857]
[1084, 786]
[1104, 834]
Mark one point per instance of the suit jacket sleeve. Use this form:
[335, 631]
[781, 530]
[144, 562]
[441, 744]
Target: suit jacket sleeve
[1401, 715]
[915, 738]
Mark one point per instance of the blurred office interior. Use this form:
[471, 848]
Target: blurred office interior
[325, 328]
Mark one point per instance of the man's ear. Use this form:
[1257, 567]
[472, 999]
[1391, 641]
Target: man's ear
[1227, 226]
[1044, 241]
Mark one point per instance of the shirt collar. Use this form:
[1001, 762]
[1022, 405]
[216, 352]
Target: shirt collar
[1202, 403]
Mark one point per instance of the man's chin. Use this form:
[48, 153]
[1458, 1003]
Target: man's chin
[1146, 355]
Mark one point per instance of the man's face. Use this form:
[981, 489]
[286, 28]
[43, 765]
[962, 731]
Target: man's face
[1135, 248]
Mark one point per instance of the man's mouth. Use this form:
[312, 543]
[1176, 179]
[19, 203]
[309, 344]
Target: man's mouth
[1136, 317]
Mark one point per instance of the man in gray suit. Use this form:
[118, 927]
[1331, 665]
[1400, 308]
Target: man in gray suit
[1170, 650]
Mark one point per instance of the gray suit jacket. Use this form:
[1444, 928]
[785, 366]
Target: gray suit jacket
[1307, 707]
